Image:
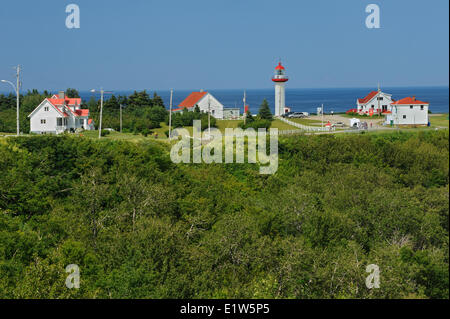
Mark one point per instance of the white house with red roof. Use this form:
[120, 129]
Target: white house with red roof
[59, 114]
[408, 111]
[376, 102]
[205, 101]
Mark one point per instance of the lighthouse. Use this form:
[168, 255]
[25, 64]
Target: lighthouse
[280, 80]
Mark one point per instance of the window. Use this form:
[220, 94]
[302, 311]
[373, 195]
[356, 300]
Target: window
[421, 107]
[373, 106]
[380, 98]
[43, 121]
[404, 117]
[59, 121]
[411, 107]
[46, 109]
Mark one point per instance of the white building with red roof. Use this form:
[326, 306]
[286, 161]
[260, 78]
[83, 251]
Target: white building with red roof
[408, 111]
[205, 101]
[59, 114]
[376, 102]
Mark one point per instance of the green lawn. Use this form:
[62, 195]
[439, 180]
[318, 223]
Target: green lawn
[280, 125]
[439, 120]
[436, 120]
[306, 121]
[223, 124]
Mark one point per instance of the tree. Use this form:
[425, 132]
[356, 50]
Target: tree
[140, 99]
[157, 100]
[72, 93]
[112, 103]
[264, 111]
[92, 104]
[249, 117]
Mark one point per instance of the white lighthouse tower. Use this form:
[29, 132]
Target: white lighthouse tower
[280, 80]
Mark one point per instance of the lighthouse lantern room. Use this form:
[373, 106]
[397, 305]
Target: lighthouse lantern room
[280, 80]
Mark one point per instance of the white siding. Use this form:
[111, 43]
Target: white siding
[216, 106]
[280, 96]
[405, 115]
[49, 117]
[387, 100]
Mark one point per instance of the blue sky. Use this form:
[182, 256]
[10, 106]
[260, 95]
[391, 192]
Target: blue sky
[224, 44]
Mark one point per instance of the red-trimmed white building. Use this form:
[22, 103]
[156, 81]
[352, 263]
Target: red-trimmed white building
[280, 80]
[408, 111]
[59, 114]
[376, 102]
[205, 101]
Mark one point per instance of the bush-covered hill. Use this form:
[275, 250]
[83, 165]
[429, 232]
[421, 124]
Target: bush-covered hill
[140, 226]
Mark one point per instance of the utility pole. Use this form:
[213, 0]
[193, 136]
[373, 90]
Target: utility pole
[378, 98]
[101, 113]
[17, 90]
[322, 116]
[18, 97]
[102, 93]
[245, 104]
[170, 114]
[209, 116]
[120, 118]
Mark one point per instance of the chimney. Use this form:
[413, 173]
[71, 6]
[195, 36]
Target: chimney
[61, 95]
[414, 97]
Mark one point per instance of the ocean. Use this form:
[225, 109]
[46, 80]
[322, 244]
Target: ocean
[307, 100]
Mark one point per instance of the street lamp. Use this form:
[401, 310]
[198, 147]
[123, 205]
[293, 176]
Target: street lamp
[102, 92]
[16, 89]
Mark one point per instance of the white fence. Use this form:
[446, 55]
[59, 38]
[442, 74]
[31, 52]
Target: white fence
[305, 127]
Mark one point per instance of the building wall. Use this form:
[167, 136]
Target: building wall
[280, 102]
[215, 105]
[387, 100]
[231, 113]
[405, 115]
[49, 117]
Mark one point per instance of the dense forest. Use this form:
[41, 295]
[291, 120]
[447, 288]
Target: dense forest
[139, 226]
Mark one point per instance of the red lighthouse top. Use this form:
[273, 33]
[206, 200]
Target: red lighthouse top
[280, 75]
[279, 66]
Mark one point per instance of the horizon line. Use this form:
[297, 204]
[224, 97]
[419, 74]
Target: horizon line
[236, 89]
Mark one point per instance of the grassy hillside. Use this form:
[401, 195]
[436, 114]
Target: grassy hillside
[139, 226]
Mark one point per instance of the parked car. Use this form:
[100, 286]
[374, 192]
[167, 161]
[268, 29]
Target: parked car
[297, 115]
[339, 124]
[287, 114]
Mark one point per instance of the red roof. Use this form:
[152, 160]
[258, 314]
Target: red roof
[279, 66]
[82, 112]
[191, 100]
[57, 103]
[408, 101]
[67, 101]
[368, 97]
[90, 121]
